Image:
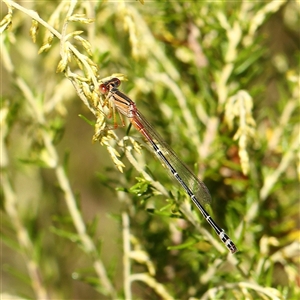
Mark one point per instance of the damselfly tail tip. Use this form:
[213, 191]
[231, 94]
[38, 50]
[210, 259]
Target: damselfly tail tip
[231, 246]
[234, 249]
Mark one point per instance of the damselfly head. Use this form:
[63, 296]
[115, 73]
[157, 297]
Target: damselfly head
[109, 85]
[115, 82]
[103, 88]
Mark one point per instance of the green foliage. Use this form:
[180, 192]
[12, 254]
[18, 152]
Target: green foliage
[219, 80]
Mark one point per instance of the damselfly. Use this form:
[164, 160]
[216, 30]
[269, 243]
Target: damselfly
[194, 187]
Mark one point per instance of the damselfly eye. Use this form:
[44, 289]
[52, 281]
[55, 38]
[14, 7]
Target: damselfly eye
[103, 88]
[116, 82]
